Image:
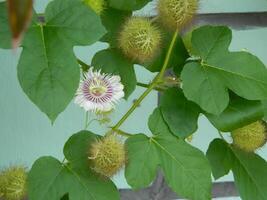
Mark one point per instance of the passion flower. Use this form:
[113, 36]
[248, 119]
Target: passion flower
[99, 92]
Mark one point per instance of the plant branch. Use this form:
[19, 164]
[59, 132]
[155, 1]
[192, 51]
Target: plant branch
[120, 132]
[144, 85]
[221, 135]
[151, 86]
[86, 120]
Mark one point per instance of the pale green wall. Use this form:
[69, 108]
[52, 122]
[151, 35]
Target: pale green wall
[26, 133]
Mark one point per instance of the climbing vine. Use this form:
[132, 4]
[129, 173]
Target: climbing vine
[228, 88]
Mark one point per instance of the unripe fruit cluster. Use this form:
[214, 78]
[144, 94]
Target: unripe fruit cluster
[250, 137]
[13, 183]
[139, 39]
[107, 156]
[176, 14]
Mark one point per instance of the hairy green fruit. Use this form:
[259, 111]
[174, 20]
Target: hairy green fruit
[108, 156]
[139, 39]
[97, 5]
[13, 183]
[250, 137]
[176, 14]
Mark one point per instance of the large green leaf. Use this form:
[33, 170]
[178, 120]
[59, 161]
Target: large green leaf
[142, 163]
[177, 58]
[50, 180]
[250, 173]
[207, 81]
[180, 114]
[5, 33]
[214, 96]
[239, 113]
[77, 147]
[249, 169]
[220, 157]
[48, 71]
[128, 4]
[113, 20]
[112, 61]
[186, 169]
[156, 123]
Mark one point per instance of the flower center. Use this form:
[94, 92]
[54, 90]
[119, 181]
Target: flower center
[98, 90]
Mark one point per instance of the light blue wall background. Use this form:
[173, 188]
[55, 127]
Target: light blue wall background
[26, 133]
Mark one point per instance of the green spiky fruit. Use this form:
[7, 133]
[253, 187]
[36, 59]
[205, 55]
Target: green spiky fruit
[107, 155]
[13, 183]
[139, 39]
[2, 185]
[97, 5]
[250, 137]
[176, 14]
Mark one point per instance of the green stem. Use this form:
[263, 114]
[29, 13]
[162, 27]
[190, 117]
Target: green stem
[144, 85]
[64, 159]
[221, 135]
[84, 66]
[86, 120]
[120, 132]
[151, 86]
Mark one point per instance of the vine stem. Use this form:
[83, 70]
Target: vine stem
[221, 135]
[151, 86]
[86, 120]
[144, 85]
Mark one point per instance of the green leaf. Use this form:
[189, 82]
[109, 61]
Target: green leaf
[220, 157]
[180, 114]
[128, 4]
[112, 61]
[142, 163]
[250, 173]
[156, 123]
[214, 96]
[50, 180]
[177, 58]
[239, 113]
[5, 34]
[249, 169]
[186, 169]
[76, 149]
[264, 104]
[113, 26]
[219, 70]
[48, 71]
[219, 39]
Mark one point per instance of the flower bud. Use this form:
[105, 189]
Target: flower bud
[13, 183]
[250, 137]
[176, 14]
[107, 156]
[139, 39]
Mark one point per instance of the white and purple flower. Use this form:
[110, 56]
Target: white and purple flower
[99, 92]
